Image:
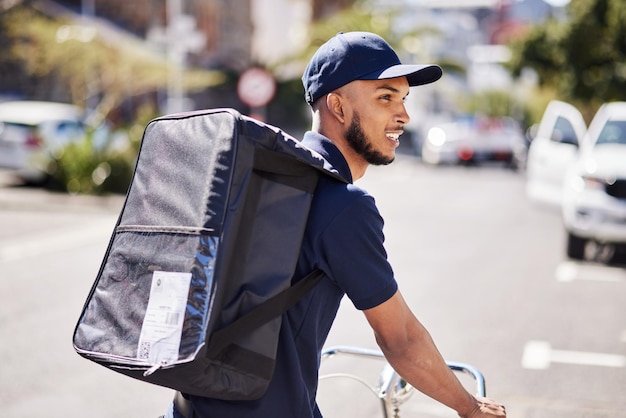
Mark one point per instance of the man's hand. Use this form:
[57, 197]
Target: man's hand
[486, 408]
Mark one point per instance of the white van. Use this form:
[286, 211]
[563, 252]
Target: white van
[583, 173]
[552, 151]
[594, 191]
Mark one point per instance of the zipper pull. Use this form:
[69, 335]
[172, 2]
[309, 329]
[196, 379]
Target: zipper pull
[152, 370]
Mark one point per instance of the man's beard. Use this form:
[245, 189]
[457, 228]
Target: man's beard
[358, 142]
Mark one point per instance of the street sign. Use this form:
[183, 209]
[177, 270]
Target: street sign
[256, 87]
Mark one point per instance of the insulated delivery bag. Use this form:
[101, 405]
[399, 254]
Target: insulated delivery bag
[199, 266]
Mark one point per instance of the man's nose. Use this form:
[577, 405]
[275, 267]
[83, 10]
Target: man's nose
[403, 116]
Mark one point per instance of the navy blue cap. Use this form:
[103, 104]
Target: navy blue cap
[359, 56]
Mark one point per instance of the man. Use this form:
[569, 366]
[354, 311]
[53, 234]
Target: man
[356, 87]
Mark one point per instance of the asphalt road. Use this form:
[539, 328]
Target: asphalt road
[481, 266]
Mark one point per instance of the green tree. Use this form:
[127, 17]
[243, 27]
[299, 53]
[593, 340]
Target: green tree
[366, 15]
[582, 58]
[87, 62]
[496, 103]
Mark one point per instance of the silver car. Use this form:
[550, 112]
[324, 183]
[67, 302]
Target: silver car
[32, 131]
[475, 140]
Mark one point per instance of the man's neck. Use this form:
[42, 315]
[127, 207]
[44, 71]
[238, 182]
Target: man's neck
[356, 163]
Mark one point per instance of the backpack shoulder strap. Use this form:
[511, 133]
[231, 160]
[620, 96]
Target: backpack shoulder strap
[271, 308]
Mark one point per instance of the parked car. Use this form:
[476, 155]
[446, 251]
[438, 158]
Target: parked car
[552, 151]
[474, 140]
[32, 131]
[594, 189]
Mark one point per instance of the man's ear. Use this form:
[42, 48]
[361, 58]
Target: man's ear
[334, 102]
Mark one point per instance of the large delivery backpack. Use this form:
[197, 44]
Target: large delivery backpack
[199, 267]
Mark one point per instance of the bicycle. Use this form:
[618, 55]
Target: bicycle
[392, 390]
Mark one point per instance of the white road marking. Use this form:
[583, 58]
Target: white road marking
[57, 240]
[539, 355]
[569, 271]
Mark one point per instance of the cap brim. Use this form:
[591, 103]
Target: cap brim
[416, 75]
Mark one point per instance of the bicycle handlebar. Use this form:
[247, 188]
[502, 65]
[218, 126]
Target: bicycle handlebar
[481, 386]
[390, 378]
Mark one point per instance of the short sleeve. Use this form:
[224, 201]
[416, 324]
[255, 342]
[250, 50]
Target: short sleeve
[353, 247]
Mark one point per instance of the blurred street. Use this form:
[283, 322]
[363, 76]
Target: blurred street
[482, 267]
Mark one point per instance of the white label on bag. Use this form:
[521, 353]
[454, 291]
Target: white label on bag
[163, 324]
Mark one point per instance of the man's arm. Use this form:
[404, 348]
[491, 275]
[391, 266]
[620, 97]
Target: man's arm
[410, 350]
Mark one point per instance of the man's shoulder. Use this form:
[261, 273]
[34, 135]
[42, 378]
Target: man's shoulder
[334, 199]
[329, 187]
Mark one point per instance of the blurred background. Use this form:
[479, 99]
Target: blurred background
[510, 239]
[122, 63]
